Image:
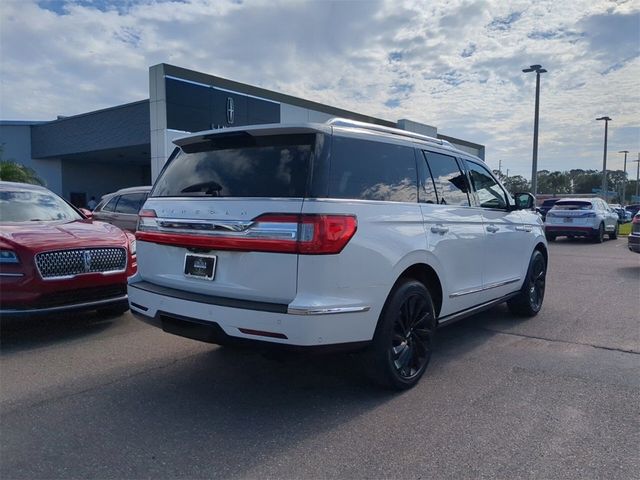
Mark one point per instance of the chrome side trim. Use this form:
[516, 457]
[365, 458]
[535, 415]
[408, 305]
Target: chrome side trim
[326, 311]
[454, 317]
[61, 308]
[11, 274]
[482, 289]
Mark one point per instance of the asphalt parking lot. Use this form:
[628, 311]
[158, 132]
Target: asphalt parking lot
[556, 396]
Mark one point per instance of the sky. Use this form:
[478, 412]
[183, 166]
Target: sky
[453, 64]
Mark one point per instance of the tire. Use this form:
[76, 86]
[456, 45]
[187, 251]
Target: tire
[404, 338]
[529, 301]
[613, 235]
[599, 235]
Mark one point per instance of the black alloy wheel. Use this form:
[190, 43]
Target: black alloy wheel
[411, 340]
[529, 301]
[404, 337]
[613, 235]
[536, 283]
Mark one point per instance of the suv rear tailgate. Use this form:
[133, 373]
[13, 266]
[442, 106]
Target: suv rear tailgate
[248, 275]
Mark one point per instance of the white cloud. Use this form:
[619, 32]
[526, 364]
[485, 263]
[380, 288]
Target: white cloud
[455, 64]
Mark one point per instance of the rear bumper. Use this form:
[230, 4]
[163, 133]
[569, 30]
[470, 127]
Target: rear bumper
[564, 230]
[223, 320]
[634, 243]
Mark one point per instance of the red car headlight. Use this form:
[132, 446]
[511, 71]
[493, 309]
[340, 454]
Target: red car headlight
[8, 256]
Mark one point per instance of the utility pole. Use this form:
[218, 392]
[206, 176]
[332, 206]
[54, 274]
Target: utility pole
[534, 164]
[500, 166]
[624, 179]
[604, 157]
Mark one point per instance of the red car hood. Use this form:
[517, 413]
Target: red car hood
[54, 235]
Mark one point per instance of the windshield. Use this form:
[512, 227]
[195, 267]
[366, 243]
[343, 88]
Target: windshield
[34, 206]
[274, 166]
[573, 205]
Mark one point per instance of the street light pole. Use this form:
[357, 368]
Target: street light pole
[604, 156]
[637, 174]
[624, 179]
[534, 167]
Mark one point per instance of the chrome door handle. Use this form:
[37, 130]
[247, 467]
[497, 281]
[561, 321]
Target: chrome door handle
[439, 229]
[523, 228]
[492, 229]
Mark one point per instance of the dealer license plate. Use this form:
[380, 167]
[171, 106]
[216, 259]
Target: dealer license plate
[200, 266]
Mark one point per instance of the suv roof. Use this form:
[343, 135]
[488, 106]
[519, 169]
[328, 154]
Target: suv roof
[143, 188]
[329, 127]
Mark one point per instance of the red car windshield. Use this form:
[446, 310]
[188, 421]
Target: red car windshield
[33, 206]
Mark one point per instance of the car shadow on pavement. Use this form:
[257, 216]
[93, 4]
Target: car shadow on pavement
[238, 407]
[631, 273]
[19, 334]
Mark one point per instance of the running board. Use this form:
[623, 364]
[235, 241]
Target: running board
[454, 317]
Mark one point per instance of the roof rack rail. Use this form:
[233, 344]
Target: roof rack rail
[345, 122]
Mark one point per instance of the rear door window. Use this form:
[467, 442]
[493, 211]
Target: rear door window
[130, 203]
[449, 181]
[367, 170]
[240, 166]
[110, 206]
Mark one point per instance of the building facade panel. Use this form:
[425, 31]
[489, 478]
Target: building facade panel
[126, 125]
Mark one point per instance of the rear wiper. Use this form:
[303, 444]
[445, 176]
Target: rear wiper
[208, 188]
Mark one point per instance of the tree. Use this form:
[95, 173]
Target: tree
[554, 182]
[517, 183]
[12, 171]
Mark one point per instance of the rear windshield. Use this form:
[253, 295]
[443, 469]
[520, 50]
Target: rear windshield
[32, 206]
[239, 166]
[573, 206]
[548, 203]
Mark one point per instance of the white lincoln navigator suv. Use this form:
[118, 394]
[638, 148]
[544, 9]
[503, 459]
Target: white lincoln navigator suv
[342, 234]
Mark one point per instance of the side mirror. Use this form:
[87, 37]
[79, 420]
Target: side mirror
[87, 213]
[525, 201]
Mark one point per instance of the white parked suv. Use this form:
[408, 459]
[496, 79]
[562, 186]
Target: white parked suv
[344, 235]
[581, 217]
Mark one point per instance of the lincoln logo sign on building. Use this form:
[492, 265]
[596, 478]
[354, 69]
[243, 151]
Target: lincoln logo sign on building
[230, 110]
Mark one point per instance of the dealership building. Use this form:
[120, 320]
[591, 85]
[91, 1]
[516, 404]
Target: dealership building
[98, 152]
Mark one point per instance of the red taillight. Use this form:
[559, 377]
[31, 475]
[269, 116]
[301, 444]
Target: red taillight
[278, 233]
[147, 212]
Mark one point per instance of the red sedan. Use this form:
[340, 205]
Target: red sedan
[54, 258]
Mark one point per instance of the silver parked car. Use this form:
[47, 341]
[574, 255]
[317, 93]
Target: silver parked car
[581, 217]
[121, 208]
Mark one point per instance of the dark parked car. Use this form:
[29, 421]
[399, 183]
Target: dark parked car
[634, 237]
[633, 209]
[55, 258]
[546, 206]
[624, 216]
[121, 208]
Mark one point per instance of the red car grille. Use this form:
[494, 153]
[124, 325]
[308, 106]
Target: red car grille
[67, 263]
